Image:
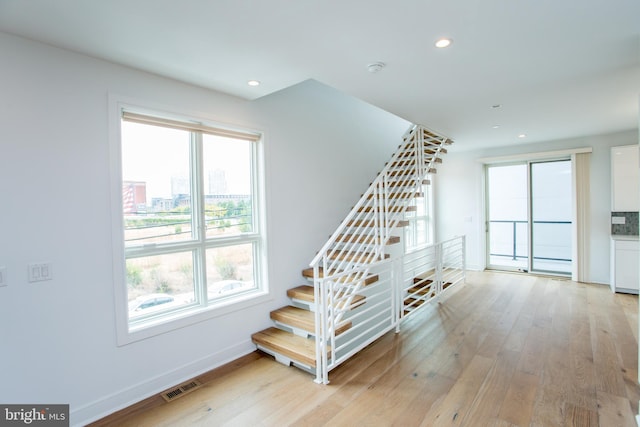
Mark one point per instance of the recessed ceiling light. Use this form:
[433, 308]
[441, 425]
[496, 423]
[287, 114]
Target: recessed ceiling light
[443, 42]
[495, 126]
[522, 135]
[253, 83]
[496, 106]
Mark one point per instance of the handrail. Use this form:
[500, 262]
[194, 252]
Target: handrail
[380, 199]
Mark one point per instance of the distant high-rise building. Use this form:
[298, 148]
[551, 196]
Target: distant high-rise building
[179, 185]
[217, 182]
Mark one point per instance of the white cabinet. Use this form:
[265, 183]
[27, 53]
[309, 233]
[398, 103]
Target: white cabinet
[625, 176]
[625, 264]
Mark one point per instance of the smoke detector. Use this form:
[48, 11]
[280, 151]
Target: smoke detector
[375, 67]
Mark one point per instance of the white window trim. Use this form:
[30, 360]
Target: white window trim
[178, 319]
[430, 220]
[542, 155]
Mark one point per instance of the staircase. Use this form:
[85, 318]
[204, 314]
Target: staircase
[361, 284]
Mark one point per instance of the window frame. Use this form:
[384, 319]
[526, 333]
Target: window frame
[427, 189]
[148, 326]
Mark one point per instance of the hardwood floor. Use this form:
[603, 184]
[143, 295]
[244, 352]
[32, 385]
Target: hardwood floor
[501, 350]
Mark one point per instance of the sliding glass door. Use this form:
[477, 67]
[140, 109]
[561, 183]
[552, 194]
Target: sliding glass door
[508, 216]
[529, 217]
[551, 216]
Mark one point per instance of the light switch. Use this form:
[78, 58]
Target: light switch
[3, 276]
[39, 272]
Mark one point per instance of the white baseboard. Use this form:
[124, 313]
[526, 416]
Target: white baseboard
[124, 398]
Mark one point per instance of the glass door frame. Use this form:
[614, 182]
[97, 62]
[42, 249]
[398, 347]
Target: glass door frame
[504, 267]
[529, 224]
[532, 222]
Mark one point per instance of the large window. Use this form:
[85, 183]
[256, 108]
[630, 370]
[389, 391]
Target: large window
[419, 232]
[191, 218]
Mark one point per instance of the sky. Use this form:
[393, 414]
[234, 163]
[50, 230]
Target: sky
[154, 154]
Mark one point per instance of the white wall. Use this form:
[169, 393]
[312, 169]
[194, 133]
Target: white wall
[324, 149]
[58, 337]
[460, 203]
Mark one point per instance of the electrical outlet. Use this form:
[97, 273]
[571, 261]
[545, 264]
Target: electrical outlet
[620, 220]
[39, 272]
[3, 276]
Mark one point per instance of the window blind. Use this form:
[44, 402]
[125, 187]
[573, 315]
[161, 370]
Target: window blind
[188, 126]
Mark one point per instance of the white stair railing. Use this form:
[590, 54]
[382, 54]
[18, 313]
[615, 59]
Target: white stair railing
[354, 251]
[430, 271]
[391, 298]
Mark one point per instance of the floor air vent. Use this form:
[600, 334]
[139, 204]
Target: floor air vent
[181, 390]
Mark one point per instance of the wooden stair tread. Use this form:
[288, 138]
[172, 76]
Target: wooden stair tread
[421, 290]
[428, 150]
[402, 195]
[296, 317]
[425, 274]
[436, 144]
[308, 272]
[372, 223]
[428, 136]
[402, 172]
[302, 319]
[358, 257]
[408, 171]
[394, 209]
[415, 302]
[302, 293]
[409, 183]
[305, 293]
[355, 238]
[421, 281]
[292, 346]
[408, 160]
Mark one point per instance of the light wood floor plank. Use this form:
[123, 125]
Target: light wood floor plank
[579, 416]
[517, 405]
[609, 376]
[614, 411]
[435, 389]
[502, 350]
[629, 305]
[456, 404]
[531, 358]
[490, 397]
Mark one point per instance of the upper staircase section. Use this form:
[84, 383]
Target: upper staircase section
[363, 235]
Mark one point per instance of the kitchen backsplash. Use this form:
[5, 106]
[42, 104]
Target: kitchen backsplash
[630, 226]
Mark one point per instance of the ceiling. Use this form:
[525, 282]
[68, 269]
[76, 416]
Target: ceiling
[552, 69]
